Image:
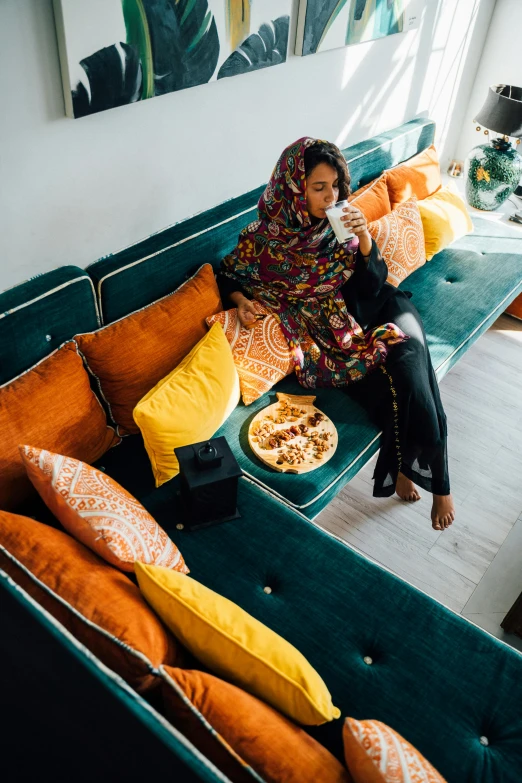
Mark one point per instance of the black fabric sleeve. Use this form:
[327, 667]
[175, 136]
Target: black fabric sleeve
[228, 286]
[367, 290]
[369, 275]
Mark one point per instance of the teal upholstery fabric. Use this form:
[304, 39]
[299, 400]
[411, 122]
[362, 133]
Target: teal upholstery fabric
[36, 317]
[65, 712]
[438, 680]
[491, 236]
[459, 294]
[138, 275]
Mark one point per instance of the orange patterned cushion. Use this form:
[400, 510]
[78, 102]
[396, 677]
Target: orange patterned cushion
[100, 513]
[374, 753]
[261, 355]
[400, 238]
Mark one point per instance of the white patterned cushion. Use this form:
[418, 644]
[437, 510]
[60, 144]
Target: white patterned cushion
[399, 236]
[375, 752]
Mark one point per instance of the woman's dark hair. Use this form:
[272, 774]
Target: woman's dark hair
[325, 152]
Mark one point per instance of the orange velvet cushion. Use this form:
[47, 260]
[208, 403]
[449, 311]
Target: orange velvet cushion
[400, 238]
[248, 731]
[515, 308]
[373, 199]
[100, 513]
[99, 605]
[51, 405]
[419, 176]
[375, 753]
[132, 355]
[262, 355]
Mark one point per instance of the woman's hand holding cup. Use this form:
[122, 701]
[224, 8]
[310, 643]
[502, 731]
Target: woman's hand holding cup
[355, 221]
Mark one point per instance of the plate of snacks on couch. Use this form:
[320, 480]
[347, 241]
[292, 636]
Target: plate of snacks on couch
[292, 435]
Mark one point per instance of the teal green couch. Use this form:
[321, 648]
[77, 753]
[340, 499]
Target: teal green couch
[448, 687]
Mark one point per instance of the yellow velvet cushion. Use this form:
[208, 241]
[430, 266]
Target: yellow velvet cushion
[190, 404]
[236, 646]
[445, 218]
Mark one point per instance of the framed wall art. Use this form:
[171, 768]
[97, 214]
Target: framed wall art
[115, 52]
[330, 24]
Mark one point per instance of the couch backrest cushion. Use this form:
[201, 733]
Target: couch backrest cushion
[135, 276]
[36, 317]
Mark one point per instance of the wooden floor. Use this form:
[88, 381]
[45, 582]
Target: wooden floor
[475, 567]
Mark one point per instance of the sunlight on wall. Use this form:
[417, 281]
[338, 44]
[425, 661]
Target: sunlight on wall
[385, 95]
[453, 36]
[428, 72]
[500, 64]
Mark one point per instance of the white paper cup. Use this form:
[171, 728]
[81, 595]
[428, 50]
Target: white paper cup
[335, 214]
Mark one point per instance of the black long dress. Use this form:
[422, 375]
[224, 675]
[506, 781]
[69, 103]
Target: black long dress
[402, 395]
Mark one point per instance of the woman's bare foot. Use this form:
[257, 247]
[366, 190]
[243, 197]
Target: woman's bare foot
[406, 489]
[442, 512]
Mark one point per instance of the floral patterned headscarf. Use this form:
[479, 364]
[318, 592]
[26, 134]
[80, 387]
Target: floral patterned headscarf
[296, 268]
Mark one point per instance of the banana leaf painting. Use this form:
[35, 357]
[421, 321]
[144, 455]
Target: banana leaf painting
[116, 52]
[329, 24]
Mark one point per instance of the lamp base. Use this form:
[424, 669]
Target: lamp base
[493, 173]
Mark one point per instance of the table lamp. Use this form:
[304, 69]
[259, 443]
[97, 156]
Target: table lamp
[494, 169]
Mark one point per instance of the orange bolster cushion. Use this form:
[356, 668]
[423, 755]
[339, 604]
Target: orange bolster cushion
[99, 605]
[246, 731]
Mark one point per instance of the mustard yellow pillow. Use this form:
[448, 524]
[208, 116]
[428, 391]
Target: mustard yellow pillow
[445, 218]
[236, 646]
[190, 404]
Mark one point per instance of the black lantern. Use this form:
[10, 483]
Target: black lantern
[209, 473]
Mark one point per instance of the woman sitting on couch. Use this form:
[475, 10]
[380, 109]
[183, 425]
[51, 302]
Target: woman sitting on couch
[345, 325]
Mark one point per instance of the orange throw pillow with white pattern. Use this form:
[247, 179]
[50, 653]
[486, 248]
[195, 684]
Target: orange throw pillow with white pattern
[400, 238]
[99, 513]
[261, 354]
[374, 753]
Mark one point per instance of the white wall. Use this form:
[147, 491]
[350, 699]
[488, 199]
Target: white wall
[74, 190]
[501, 63]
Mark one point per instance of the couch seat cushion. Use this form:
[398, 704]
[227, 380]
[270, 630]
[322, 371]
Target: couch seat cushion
[339, 609]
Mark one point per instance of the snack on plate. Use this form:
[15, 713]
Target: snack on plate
[293, 438]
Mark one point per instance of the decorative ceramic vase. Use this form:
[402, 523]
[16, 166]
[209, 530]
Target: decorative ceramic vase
[493, 172]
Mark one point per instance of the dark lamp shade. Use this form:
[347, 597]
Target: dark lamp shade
[502, 111]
